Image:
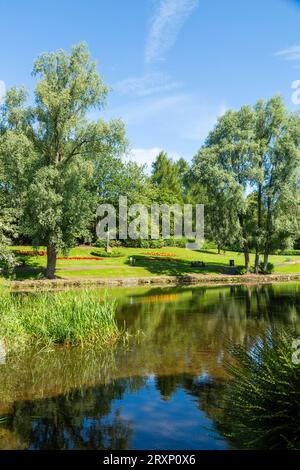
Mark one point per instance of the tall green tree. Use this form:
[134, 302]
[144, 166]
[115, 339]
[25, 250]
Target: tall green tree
[58, 148]
[276, 161]
[249, 166]
[165, 177]
[222, 167]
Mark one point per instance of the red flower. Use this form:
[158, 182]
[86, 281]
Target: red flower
[80, 258]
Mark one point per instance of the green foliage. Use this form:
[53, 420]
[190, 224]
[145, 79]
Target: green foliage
[262, 401]
[7, 259]
[240, 270]
[166, 179]
[177, 242]
[256, 148]
[290, 252]
[159, 243]
[99, 243]
[75, 318]
[50, 153]
[106, 254]
[115, 178]
[268, 269]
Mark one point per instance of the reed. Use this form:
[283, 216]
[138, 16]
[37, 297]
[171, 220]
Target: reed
[261, 408]
[68, 317]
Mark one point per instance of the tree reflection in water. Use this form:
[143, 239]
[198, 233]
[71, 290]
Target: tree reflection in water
[163, 390]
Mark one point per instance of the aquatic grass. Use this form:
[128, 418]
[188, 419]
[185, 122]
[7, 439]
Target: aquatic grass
[68, 317]
[261, 408]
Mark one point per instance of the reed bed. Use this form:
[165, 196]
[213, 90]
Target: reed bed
[60, 318]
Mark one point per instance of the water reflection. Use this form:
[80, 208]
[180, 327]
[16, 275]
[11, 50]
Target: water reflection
[127, 413]
[162, 391]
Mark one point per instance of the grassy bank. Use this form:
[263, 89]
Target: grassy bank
[73, 318]
[168, 261]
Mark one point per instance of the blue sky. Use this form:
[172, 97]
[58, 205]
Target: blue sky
[173, 65]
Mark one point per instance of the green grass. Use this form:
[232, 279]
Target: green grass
[69, 317]
[292, 268]
[111, 267]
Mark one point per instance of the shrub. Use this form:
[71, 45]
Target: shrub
[176, 242]
[208, 245]
[268, 270]
[261, 407]
[240, 270]
[144, 244]
[8, 261]
[105, 254]
[140, 243]
[99, 243]
[289, 252]
[156, 243]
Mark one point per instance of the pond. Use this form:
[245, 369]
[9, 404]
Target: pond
[161, 390]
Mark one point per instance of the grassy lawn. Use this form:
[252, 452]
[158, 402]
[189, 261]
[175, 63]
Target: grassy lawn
[147, 263]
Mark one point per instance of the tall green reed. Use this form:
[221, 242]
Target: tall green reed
[68, 317]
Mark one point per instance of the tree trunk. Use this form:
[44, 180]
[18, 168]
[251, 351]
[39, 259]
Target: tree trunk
[259, 224]
[266, 259]
[256, 265]
[51, 261]
[246, 253]
[219, 249]
[268, 230]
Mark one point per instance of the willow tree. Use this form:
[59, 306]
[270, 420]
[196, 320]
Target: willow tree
[249, 166]
[222, 168]
[275, 177]
[59, 148]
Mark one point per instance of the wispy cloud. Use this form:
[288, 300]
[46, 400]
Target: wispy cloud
[290, 53]
[165, 25]
[2, 90]
[187, 117]
[149, 110]
[146, 156]
[146, 85]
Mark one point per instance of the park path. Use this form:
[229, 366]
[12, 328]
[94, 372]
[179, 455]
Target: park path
[287, 263]
[90, 268]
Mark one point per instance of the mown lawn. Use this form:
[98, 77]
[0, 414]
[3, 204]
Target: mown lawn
[147, 263]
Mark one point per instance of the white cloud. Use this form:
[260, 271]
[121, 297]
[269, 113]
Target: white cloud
[174, 118]
[146, 85]
[2, 90]
[148, 155]
[149, 110]
[291, 53]
[165, 25]
[145, 156]
[168, 19]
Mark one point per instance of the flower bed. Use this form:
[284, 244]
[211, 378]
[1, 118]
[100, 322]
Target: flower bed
[154, 259]
[87, 258]
[30, 252]
[157, 253]
[44, 253]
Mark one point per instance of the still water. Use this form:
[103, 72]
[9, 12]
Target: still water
[160, 391]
